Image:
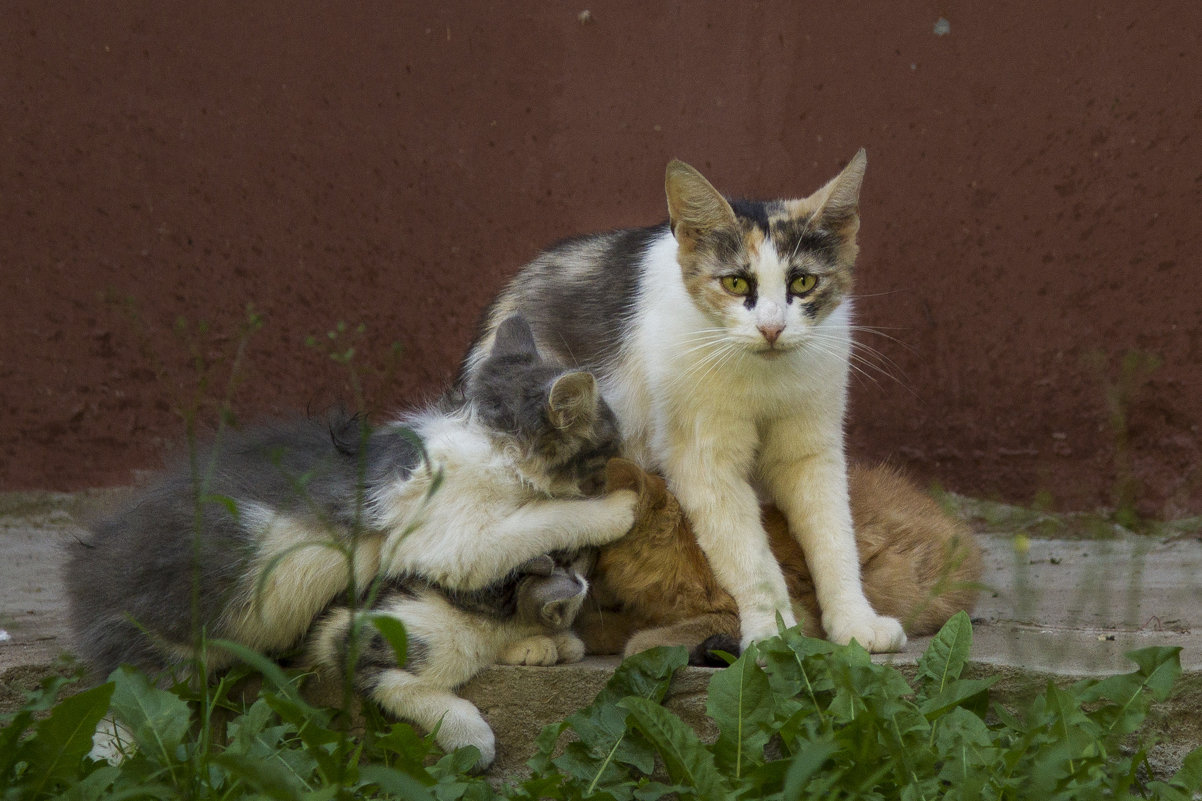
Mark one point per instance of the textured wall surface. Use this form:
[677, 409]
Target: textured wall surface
[1029, 250]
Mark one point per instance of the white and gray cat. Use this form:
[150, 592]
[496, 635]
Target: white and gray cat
[722, 340]
[460, 496]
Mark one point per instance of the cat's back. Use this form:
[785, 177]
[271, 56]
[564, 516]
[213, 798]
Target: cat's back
[580, 297]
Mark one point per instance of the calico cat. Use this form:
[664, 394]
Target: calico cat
[453, 635]
[285, 518]
[655, 587]
[722, 341]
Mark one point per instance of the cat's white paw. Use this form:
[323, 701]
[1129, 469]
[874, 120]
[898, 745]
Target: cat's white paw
[873, 632]
[536, 650]
[761, 627]
[463, 727]
[569, 646]
[618, 517]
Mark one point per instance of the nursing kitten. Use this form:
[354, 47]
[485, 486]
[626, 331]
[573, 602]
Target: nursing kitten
[722, 341]
[453, 635]
[655, 587]
[284, 518]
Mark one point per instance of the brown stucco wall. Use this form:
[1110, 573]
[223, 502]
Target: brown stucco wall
[1031, 211]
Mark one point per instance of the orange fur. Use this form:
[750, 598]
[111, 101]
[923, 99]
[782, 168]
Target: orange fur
[655, 587]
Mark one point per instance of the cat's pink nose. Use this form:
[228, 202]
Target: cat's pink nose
[771, 332]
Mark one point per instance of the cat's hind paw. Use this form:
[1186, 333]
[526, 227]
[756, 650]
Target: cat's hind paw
[536, 650]
[112, 742]
[461, 730]
[875, 633]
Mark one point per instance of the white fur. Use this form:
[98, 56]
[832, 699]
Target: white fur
[298, 569]
[457, 646]
[722, 419]
[486, 518]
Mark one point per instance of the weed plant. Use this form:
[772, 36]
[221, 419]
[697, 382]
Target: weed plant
[797, 718]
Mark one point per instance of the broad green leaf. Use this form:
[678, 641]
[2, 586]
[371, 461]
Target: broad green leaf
[12, 748]
[687, 761]
[604, 744]
[544, 747]
[947, 654]
[955, 694]
[740, 701]
[646, 675]
[1132, 693]
[804, 765]
[393, 631]
[395, 782]
[270, 777]
[967, 751]
[157, 718]
[62, 739]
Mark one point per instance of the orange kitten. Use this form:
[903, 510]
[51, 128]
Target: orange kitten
[655, 587]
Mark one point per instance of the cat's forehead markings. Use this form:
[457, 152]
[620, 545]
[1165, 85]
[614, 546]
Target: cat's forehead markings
[752, 240]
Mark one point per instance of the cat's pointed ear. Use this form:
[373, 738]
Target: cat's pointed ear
[514, 338]
[573, 400]
[837, 204]
[694, 206]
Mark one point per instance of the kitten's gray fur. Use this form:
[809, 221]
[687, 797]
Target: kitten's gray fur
[249, 538]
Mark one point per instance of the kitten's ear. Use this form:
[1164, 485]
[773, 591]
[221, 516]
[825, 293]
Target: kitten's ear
[838, 203]
[694, 206]
[514, 338]
[573, 400]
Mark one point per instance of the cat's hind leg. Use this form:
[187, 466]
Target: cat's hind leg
[691, 633]
[458, 722]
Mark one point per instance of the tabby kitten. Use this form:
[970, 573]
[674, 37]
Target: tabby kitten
[285, 517]
[453, 635]
[655, 587]
[722, 341]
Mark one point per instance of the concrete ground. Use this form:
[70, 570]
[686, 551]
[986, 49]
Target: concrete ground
[1059, 607]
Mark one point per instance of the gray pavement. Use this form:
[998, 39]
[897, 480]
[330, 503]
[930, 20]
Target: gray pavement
[1052, 608]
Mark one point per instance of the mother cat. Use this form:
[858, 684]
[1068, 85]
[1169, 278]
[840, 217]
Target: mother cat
[722, 342]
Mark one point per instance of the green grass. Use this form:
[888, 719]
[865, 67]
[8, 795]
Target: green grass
[796, 718]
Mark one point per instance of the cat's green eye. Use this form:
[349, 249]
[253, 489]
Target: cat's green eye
[803, 284]
[736, 285]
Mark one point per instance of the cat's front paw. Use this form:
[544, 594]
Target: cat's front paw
[570, 647]
[619, 516]
[761, 627]
[876, 634]
[536, 650]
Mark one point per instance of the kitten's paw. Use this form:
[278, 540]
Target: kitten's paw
[112, 742]
[536, 650]
[873, 632]
[569, 646]
[459, 730]
[620, 507]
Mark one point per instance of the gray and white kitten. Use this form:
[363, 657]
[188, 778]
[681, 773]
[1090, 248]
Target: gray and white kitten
[723, 340]
[282, 519]
[453, 635]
